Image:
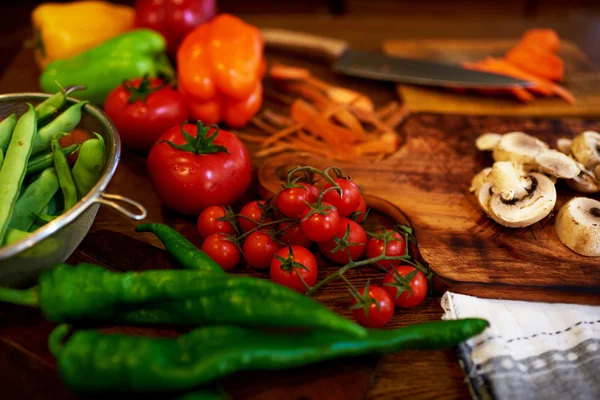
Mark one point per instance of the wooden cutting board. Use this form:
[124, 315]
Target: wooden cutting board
[428, 179]
[581, 78]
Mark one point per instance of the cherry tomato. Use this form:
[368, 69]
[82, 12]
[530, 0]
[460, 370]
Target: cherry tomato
[284, 273]
[362, 209]
[418, 287]
[251, 210]
[75, 136]
[221, 250]
[294, 235]
[209, 223]
[350, 199]
[378, 315]
[395, 248]
[292, 201]
[189, 182]
[259, 249]
[143, 109]
[356, 234]
[320, 227]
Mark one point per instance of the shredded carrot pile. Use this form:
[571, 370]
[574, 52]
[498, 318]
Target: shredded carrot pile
[533, 59]
[324, 119]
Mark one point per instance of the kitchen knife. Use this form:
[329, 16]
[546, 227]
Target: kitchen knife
[378, 66]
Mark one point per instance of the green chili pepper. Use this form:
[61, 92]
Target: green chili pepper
[14, 235]
[12, 172]
[43, 161]
[33, 200]
[65, 122]
[188, 255]
[102, 68]
[89, 165]
[52, 104]
[7, 127]
[63, 171]
[180, 297]
[91, 361]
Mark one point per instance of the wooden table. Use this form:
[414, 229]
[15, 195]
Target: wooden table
[27, 369]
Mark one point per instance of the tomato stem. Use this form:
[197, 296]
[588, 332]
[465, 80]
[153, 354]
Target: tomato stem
[260, 225]
[324, 174]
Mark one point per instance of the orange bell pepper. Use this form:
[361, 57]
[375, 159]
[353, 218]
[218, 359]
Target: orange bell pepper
[220, 65]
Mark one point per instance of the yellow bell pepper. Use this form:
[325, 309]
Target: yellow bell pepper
[64, 30]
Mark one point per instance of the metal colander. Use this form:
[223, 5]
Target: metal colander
[21, 262]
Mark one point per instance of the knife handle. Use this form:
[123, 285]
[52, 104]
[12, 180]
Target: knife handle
[304, 43]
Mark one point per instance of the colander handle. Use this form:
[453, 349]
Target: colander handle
[112, 199]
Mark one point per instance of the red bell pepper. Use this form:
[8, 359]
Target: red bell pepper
[173, 18]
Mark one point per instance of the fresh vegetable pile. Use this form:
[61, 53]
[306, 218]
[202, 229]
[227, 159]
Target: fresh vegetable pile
[533, 59]
[281, 233]
[37, 182]
[229, 311]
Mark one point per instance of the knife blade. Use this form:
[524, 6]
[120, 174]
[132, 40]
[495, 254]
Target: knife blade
[378, 66]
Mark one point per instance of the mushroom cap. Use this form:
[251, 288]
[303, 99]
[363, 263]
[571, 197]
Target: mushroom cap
[597, 172]
[528, 210]
[585, 182]
[518, 147]
[484, 194]
[564, 145]
[487, 141]
[586, 149]
[557, 164]
[578, 226]
[479, 179]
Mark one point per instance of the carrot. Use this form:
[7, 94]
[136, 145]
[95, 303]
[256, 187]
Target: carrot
[276, 118]
[397, 117]
[308, 116]
[386, 110]
[285, 72]
[541, 83]
[262, 125]
[499, 66]
[544, 39]
[538, 62]
[250, 138]
[385, 144]
[346, 96]
[281, 134]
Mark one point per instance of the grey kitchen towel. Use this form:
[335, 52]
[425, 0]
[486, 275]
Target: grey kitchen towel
[531, 350]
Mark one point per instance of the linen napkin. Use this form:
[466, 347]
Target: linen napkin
[531, 350]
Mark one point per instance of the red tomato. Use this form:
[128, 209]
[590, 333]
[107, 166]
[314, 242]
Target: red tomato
[294, 235]
[285, 274]
[380, 311]
[362, 209]
[143, 109]
[188, 182]
[75, 136]
[320, 227]
[259, 249]
[209, 223]
[356, 234]
[395, 248]
[350, 199]
[292, 201]
[418, 287]
[253, 211]
[221, 250]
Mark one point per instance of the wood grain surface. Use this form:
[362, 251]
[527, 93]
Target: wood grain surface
[429, 180]
[581, 78]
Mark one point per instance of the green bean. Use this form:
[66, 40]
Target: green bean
[89, 165]
[34, 199]
[65, 178]
[39, 221]
[1, 157]
[43, 161]
[13, 169]
[65, 122]
[14, 235]
[53, 103]
[6, 130]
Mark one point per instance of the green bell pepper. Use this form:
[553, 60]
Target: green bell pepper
[104, 67]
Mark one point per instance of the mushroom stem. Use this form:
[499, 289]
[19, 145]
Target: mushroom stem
[509, 181]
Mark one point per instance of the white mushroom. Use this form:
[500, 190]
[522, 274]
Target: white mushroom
[487, 141]
[578, 226]
[557, 164]
[597, 172]
[564, 145]
[479, 179]
[586, 149]
[585, 182]
[518, 147]
[516, 200]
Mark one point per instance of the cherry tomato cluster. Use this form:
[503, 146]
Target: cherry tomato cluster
[277, 234]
